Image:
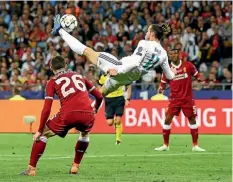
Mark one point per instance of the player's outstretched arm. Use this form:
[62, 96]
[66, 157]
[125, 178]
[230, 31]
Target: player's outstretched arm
[96, 93]
[162, 84]
[50, 91]
[45, 114]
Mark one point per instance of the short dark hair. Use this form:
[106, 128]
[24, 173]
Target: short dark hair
[160, 30]
[58, 62]
[175, 49]
[16, 91]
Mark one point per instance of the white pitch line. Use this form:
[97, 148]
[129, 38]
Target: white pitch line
[54, 157]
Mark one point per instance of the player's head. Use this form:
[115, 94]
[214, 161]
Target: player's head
[16, 91]
[156, 31]
[174, 55]
[58, 63]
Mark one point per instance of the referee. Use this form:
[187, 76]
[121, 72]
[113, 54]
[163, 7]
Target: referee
[114, 107]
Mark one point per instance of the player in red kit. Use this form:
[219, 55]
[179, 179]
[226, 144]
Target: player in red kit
[181, 98]
[77, 111]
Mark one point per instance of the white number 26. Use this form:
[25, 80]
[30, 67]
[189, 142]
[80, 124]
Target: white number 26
[78, 84]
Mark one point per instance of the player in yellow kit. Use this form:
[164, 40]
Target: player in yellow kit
[114, 107]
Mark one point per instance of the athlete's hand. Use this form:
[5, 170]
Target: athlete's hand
[112, 72]
[36, 136]
[160, 90]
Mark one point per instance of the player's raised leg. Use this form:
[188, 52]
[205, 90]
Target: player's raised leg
[166, 134]
[80, 149]
[194, 132]
[103, 60]
[37, 151]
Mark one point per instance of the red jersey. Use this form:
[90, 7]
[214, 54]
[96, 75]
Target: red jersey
[181, 85]
[73, 92]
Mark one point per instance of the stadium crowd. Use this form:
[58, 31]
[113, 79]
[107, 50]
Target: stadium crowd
[201, 30]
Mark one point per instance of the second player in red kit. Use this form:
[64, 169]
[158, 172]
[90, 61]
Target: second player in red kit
[77, 111]
[181, 98]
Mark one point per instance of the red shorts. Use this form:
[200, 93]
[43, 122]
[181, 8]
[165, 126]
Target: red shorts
[61, 123]
[187, 106]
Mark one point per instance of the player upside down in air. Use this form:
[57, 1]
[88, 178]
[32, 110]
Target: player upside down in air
[181, 98]
[77, 111]
[114, 107]
[148, 55]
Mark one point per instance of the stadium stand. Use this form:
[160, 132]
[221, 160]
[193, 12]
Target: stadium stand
[201, 29]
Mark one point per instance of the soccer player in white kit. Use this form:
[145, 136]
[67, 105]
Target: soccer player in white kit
[148, 55]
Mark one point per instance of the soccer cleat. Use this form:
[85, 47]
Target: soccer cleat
[198, 149]
[74, 168]
[31, 171]
[56, 25]
[162, 148]
[118, 142]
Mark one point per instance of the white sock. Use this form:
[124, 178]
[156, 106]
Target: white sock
[72, 42]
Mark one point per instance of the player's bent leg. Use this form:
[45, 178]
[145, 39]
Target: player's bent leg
[103, 60]
[37, 151]
[119, 129]
[194, 132]
[111, 84]
[166, 134]
[80, 149]
[91, 55]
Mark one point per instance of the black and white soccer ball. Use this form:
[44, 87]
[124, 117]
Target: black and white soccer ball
[68, 22]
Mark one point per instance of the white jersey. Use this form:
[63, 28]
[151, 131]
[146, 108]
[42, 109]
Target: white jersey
[147, 56]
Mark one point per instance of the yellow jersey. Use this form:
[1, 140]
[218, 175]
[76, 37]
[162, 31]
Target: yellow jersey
[17, 97]
[117, 93]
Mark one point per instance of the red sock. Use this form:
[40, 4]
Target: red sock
[37, 151]
[80, 149]
[194, 133]
[166, 134]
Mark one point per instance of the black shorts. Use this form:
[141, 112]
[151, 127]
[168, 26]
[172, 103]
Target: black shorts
[114, 107]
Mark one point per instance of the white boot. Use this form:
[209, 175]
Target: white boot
[198, 149]
[162, 148]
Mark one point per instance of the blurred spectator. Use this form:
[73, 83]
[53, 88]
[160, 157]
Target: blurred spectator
[219, 69]
[211, 82]
[16, 95]
[201, 30]
[228, 79]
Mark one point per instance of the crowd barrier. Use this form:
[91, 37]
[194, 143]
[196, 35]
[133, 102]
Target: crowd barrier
[214, 117]
[137, 94]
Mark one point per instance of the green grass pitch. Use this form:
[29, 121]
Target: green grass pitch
[133, 161]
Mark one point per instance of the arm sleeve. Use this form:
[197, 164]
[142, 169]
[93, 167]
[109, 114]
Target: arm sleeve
[95, 92]
[133, 61]
[166, 69]
[194, 71]
[163, 82]
[47, 105]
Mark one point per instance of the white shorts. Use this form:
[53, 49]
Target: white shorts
[106, 61]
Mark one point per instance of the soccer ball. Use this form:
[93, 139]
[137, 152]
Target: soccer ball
[68, 22]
